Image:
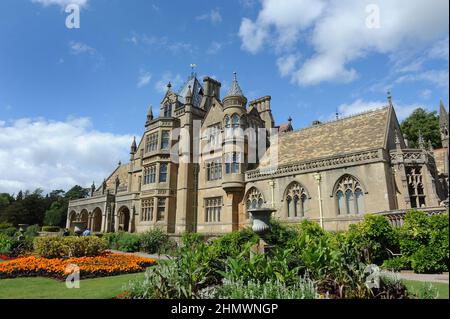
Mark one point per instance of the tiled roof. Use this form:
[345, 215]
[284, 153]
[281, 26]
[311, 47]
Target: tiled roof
[357, 133]
[196, 89]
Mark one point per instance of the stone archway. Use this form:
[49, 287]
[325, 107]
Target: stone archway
[124, 219]
[72, 219]
[84, 218]
[96, 223]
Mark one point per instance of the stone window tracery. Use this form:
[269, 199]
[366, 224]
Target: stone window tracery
[349, 196]
[415, 187]
[297, 200]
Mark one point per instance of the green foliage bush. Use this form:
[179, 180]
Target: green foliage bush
[272, 289]
[32, 231]
[59, 247]
[373, 238]
[232, 244]
[397, 263]
[51, 229]
[424, 241]
[5, 244]
[128, 242]
[8, 229]
[182, 277]
[156, 242]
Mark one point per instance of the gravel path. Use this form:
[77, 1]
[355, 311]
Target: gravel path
[409, 275]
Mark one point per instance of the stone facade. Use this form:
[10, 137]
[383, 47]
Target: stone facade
[187, 173]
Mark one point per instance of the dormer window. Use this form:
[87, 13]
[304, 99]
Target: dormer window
[168, 110]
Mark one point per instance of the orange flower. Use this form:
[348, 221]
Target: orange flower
[103, 265]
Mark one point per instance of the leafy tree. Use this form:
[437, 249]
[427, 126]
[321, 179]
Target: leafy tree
[76, 192]
[56, 214]
[425, 122]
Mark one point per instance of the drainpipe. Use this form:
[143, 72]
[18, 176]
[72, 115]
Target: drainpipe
[318, 179]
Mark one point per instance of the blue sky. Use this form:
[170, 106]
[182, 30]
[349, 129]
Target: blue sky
[94, 84]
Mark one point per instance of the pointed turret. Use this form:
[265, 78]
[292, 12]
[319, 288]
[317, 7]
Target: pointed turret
[235, 97]
[235, 89]
[149, 115]
[133, 147]
[189, 96]
[398, 144]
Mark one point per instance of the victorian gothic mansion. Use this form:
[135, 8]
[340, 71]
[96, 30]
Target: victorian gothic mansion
[332, 172]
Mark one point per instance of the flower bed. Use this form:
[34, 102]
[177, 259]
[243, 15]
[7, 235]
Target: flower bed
[4, 257]
[105, 265]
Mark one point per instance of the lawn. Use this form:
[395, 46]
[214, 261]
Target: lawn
[44, 288]
[416, 285]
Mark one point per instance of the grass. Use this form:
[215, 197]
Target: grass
[442, 288]
[45, 288]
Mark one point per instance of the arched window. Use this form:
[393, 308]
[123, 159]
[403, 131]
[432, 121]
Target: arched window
[227, 121]
[235, 121]
[254, 200]
[297, 200]
[349, 196]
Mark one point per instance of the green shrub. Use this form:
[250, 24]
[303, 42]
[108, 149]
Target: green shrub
[425, 291]
[415, 232]
[156, 241]
[5, 244]
[58, 247]
[32, 231]
[20, 248]
[128, 242]
[427, 260]
[272, 289]
[51, 229]
[182, 277]
[397, 263]
[424, 241]
[232, 244]
[8, 229]
[50, 247]
[280, 235]
[373, 238]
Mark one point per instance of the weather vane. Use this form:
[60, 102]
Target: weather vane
[193, 66]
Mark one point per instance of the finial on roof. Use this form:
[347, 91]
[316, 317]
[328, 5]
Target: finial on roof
[120, 163]
[133, 146]
[289, 119]
[421, 140]
[169, 86]
[235, 89]
[150, 114]
[389, 97]
[443, 116]
[189, 95]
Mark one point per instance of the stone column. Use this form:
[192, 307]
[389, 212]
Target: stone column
[116, 220]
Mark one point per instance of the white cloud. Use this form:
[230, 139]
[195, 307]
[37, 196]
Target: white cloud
[81, 48]
[152, 43]
[61, 3]
[214, 47]
[144, 78]
[438, 77]
[425, 94]
[57, 154]
[287, 64]
[337, 33]
[213, 16]
[359, 106]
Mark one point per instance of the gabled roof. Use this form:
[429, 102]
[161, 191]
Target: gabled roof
[196, 88]
[347, 135]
